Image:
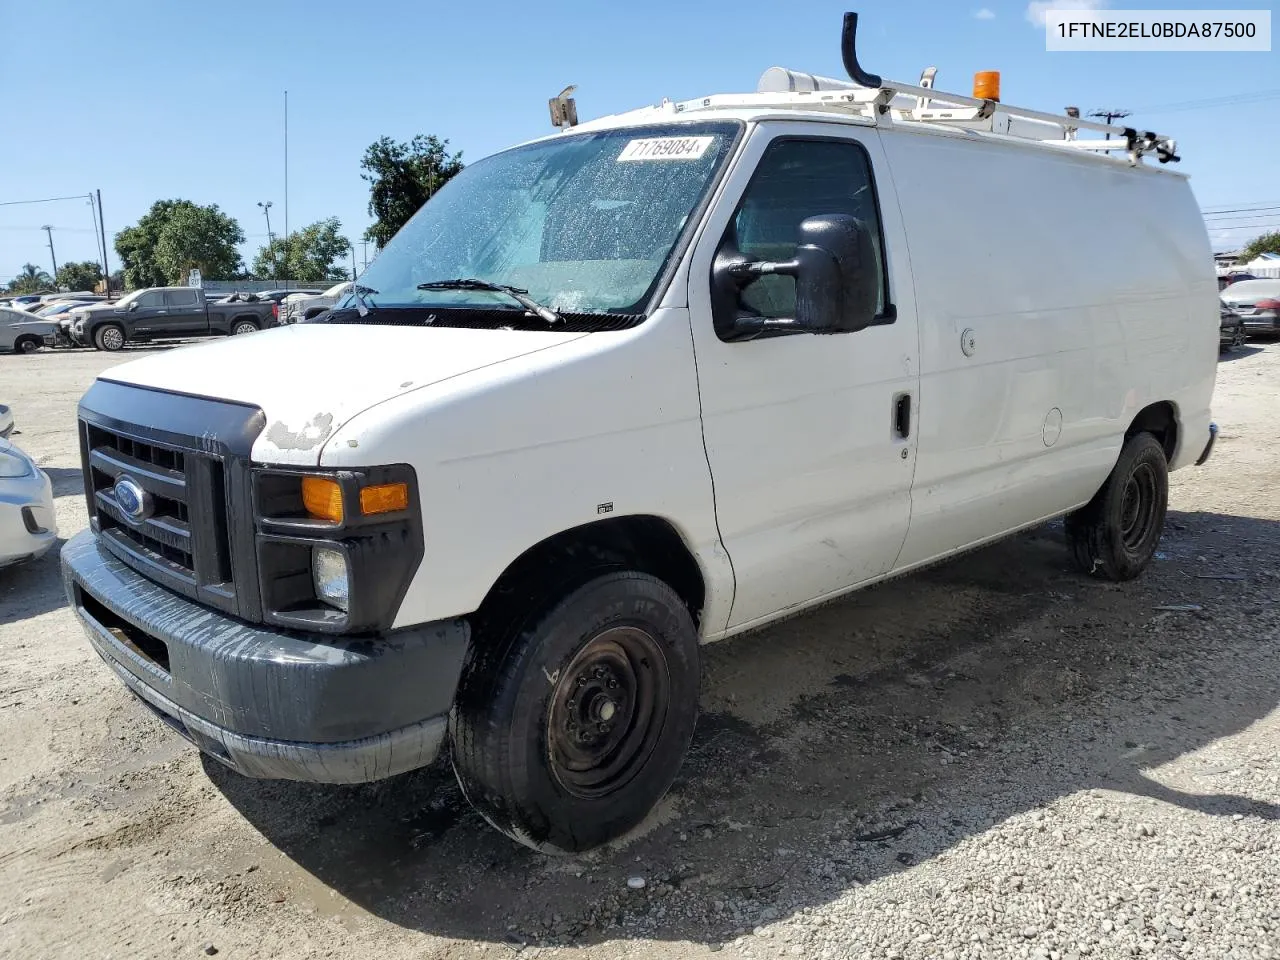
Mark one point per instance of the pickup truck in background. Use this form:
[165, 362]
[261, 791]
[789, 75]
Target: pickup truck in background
[160, 313]
[296, 309]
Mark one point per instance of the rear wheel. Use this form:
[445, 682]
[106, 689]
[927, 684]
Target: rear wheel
[109, 337]
[26, 345]
[242, 327]
[566, 734]
[1240, 338]
[1115, 535]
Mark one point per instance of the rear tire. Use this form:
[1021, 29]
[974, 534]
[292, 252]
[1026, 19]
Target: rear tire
[109, 337]
[1115, 535]
[242, 327]
[567, 732]
[26, 345]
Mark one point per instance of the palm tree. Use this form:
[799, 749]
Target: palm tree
[31, 279]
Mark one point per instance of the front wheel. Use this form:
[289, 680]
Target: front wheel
[1240, 338]
[109, 337]
[566, 734]
[1115, 535]
[244, 326]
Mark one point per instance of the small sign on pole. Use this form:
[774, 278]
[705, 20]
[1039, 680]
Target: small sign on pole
[193, 278]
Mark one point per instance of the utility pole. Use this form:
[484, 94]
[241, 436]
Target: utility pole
[353, 262]
[364, 252]
[1109, 115]
[275, 256]
[102, 230]
[286, 184]
[52, 256]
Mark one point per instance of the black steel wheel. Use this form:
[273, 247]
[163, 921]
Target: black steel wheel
[571, 727]
[26, 345]
[1115, 535]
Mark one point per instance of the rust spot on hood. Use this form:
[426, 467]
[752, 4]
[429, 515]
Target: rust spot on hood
[313, 433]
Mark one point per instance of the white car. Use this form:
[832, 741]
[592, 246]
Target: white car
[640, 385]
[298, 308]
[1257, 302]
[20, 332]
[27, 525]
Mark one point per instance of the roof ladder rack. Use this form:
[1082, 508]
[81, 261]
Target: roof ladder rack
[888, 100]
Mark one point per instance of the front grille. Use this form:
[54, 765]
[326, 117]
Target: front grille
[182, 538]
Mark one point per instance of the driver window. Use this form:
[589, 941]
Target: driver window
[798, 179]
[153, 299]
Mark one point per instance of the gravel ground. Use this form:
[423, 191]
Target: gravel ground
[996, 758]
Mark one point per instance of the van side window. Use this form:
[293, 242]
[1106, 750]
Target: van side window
[797, 179]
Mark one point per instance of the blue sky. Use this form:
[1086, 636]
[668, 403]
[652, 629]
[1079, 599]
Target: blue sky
[151, 100]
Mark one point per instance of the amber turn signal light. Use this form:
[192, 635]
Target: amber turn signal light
[384, 498]
[323, 498]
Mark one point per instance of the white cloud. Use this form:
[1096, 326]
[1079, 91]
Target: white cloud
[1038, 10]
[986, 13]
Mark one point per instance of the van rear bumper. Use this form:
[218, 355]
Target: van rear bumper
[269, 703]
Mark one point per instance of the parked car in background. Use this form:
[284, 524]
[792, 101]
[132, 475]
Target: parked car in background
[20, 332]
[296, 309]
[1231, 329]
[6, 421]
[1230, 278]
[159, 313]
[56, 308]
[1257, 302]
[27, 525]
[24, 301]
[279, 296]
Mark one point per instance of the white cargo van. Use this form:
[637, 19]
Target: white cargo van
[652, 381]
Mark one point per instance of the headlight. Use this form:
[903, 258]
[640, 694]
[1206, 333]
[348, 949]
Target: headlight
[331, 577]
[14, 464]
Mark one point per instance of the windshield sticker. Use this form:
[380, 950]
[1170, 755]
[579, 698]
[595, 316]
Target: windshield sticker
[666, 148]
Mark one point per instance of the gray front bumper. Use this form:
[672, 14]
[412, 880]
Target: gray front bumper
[265, 702]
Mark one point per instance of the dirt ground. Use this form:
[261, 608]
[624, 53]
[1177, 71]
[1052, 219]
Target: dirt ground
[995, 758]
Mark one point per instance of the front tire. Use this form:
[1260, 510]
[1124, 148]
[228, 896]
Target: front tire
[26, 345]
[1115, 535]
[109, 337]
[568, 732]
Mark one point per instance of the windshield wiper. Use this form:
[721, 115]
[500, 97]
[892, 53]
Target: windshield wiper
[518, 294]
[363, 305]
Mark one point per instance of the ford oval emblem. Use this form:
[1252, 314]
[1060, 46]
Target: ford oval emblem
[133, 501]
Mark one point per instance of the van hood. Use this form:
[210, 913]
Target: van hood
[310, 379]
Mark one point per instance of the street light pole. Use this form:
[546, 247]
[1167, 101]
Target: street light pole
[275, 259]
[52, 256]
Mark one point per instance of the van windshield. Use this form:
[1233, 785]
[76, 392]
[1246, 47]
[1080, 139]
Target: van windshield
[583, 223]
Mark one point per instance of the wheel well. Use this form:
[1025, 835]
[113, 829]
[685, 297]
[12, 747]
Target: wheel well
[1161, 421]
[550, 569]
[243, 317]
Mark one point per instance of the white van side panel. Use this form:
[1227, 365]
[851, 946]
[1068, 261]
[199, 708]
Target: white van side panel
[1083, 291]
[598, 428]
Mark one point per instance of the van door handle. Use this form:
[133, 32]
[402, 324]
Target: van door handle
[902, 416]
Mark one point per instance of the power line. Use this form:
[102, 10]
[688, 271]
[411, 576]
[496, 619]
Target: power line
[1228, 100]
[1210, 212]
[11, 203]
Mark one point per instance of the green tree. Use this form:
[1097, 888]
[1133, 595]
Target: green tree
[1267, 243]
[136, 246]
[31, 279]
[202, 237]
[84, 275]
[402, 177]
[174, 236]
[314, 254]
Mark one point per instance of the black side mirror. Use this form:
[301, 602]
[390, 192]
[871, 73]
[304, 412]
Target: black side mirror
[837, 282]
[133, 305]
